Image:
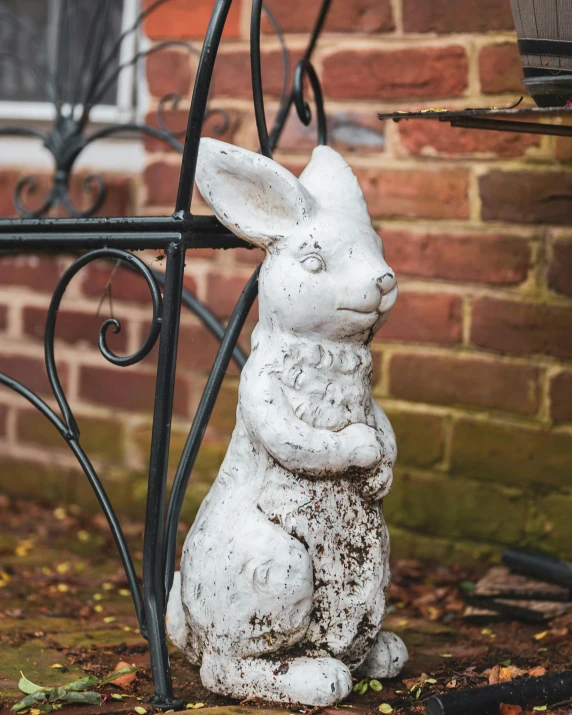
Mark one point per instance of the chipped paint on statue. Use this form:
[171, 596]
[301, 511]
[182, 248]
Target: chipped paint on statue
[281, 593]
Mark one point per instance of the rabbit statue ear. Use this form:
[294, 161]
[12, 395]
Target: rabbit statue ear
[330, 180]
[253, 196]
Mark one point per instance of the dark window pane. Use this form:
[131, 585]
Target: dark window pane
[23, 26]
[59, 40]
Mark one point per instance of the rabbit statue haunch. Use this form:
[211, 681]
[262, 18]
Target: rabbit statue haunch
[281, 593]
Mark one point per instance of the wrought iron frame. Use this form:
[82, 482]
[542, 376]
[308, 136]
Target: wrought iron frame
[115, 239]
[500, 119]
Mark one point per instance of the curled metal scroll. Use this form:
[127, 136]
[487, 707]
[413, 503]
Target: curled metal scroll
[66, 424]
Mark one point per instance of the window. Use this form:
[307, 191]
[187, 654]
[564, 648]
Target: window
[54, 39]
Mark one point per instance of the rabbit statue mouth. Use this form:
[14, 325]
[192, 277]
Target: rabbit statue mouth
[385, 305]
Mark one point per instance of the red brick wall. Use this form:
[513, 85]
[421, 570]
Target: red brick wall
[473, 367]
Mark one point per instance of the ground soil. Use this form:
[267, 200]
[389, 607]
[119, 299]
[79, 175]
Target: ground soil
[64, 603]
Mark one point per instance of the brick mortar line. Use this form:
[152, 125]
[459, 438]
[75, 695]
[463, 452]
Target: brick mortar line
[492, 417]
[467, 352]
[533, 234]
[440, 540]
[476, 290]
[498, 488]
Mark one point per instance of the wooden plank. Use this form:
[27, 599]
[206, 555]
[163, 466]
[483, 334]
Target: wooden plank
[528, 18]
[564, 16]
[547, 26]
[529, 28]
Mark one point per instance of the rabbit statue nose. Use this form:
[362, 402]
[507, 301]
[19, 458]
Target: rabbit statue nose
[386, 282]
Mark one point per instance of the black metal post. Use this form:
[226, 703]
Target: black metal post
[153, 545]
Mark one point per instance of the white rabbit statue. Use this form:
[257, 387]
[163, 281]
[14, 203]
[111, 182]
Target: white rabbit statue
[281, 593]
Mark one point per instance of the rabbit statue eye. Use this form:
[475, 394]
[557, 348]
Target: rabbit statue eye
[313, 264]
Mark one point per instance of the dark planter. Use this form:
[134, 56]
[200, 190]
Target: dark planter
[544, 29]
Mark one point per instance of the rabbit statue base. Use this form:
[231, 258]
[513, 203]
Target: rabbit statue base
[281, 593]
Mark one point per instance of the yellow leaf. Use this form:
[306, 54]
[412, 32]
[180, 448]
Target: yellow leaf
[109, 619]
[385, 708]
[107, 586]
[445, 655]
[57, 665]
[139, 710]
[4, 579]
[127, 628]
[97, 596]
[63, 568]
[60, 513]
[63, 587]
[35, 711]
[83, 535]
[195, 706]
[404, 622]
[98, 608]
[540, 636]
[124, 592]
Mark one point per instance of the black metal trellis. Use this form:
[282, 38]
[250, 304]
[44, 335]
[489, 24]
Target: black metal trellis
[114, 239]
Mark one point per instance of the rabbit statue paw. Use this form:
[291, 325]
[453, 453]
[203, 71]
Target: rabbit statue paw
[281, 592]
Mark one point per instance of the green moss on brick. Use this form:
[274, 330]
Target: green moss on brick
[407, 544]
[510, 454]
[420, 437]
[223, 417]
[99, 438]
[550, 529]
[456, 509]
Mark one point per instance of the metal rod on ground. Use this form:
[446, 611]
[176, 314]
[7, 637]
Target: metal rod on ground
[526, 692]
[539, 566]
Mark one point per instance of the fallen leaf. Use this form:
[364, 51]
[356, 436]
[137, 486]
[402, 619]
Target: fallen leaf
[375, 685]
[82, 683]
[540, 708]
[195, 706]
[451, 684]
[506, 709]
[139, 710]
[26, 686]
[109, 619]
[499, 675]
[538, 671]
[123, 675]
[385, 708]
[361, 687]
[57, 666]
[445, 655]
[540, 636]
[88, 697]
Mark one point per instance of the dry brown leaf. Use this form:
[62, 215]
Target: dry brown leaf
[538, 671]
[451, 684]
[499, 674]
[124, 681]
[506, 709]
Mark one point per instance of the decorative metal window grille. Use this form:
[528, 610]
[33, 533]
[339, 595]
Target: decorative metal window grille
[46, 48]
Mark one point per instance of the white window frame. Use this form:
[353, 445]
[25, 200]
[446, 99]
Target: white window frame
[123, 111]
